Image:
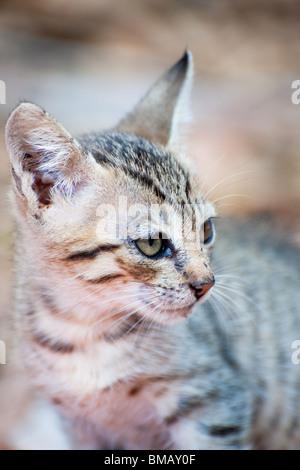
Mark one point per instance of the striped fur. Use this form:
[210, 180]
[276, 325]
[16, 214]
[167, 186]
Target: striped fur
[117, 341]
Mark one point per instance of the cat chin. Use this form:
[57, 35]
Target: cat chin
[172, 316]
[176, 315]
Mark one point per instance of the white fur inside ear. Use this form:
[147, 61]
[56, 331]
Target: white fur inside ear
[182, 116]
[43, 154]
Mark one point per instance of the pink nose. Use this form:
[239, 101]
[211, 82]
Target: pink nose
[201, 288]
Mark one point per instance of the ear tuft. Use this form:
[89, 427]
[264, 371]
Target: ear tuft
[157, 116]
[44, 156]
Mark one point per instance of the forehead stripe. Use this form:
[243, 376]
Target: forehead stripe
[145, 180]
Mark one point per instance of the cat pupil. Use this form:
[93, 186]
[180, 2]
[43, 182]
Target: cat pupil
[150, 241]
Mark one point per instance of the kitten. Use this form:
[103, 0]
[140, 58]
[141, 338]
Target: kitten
[118, 304]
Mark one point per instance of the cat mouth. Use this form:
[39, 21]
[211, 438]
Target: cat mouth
[204, 298]
[190, 306]
[173, 313]
[185, 311]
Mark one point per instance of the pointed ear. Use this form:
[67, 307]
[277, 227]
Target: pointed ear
[156, 117]
[44, 156]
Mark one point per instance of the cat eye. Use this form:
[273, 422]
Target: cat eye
[151, 247]
[208, 232]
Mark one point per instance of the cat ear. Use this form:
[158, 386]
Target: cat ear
[44, 156]
[157, 116]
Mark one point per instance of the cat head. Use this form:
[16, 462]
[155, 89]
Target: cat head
[117, 214]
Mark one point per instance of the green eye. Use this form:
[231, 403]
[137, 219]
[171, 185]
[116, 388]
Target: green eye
[151, 247]
[208, 232]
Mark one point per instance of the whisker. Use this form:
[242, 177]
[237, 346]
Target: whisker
[100, 302]
[220, 315]
[229, 267]
[238, 309]
[229, 281]
[216, 162]
[116, 312]
[123, 320]
[223, 180]
[230, 276]
[239, 293]
[246, 196]
[225, 310]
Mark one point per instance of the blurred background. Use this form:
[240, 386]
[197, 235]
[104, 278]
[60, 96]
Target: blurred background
[87, 63]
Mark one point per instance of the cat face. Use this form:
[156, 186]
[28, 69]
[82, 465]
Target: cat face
[151, 227]
[117, 215]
